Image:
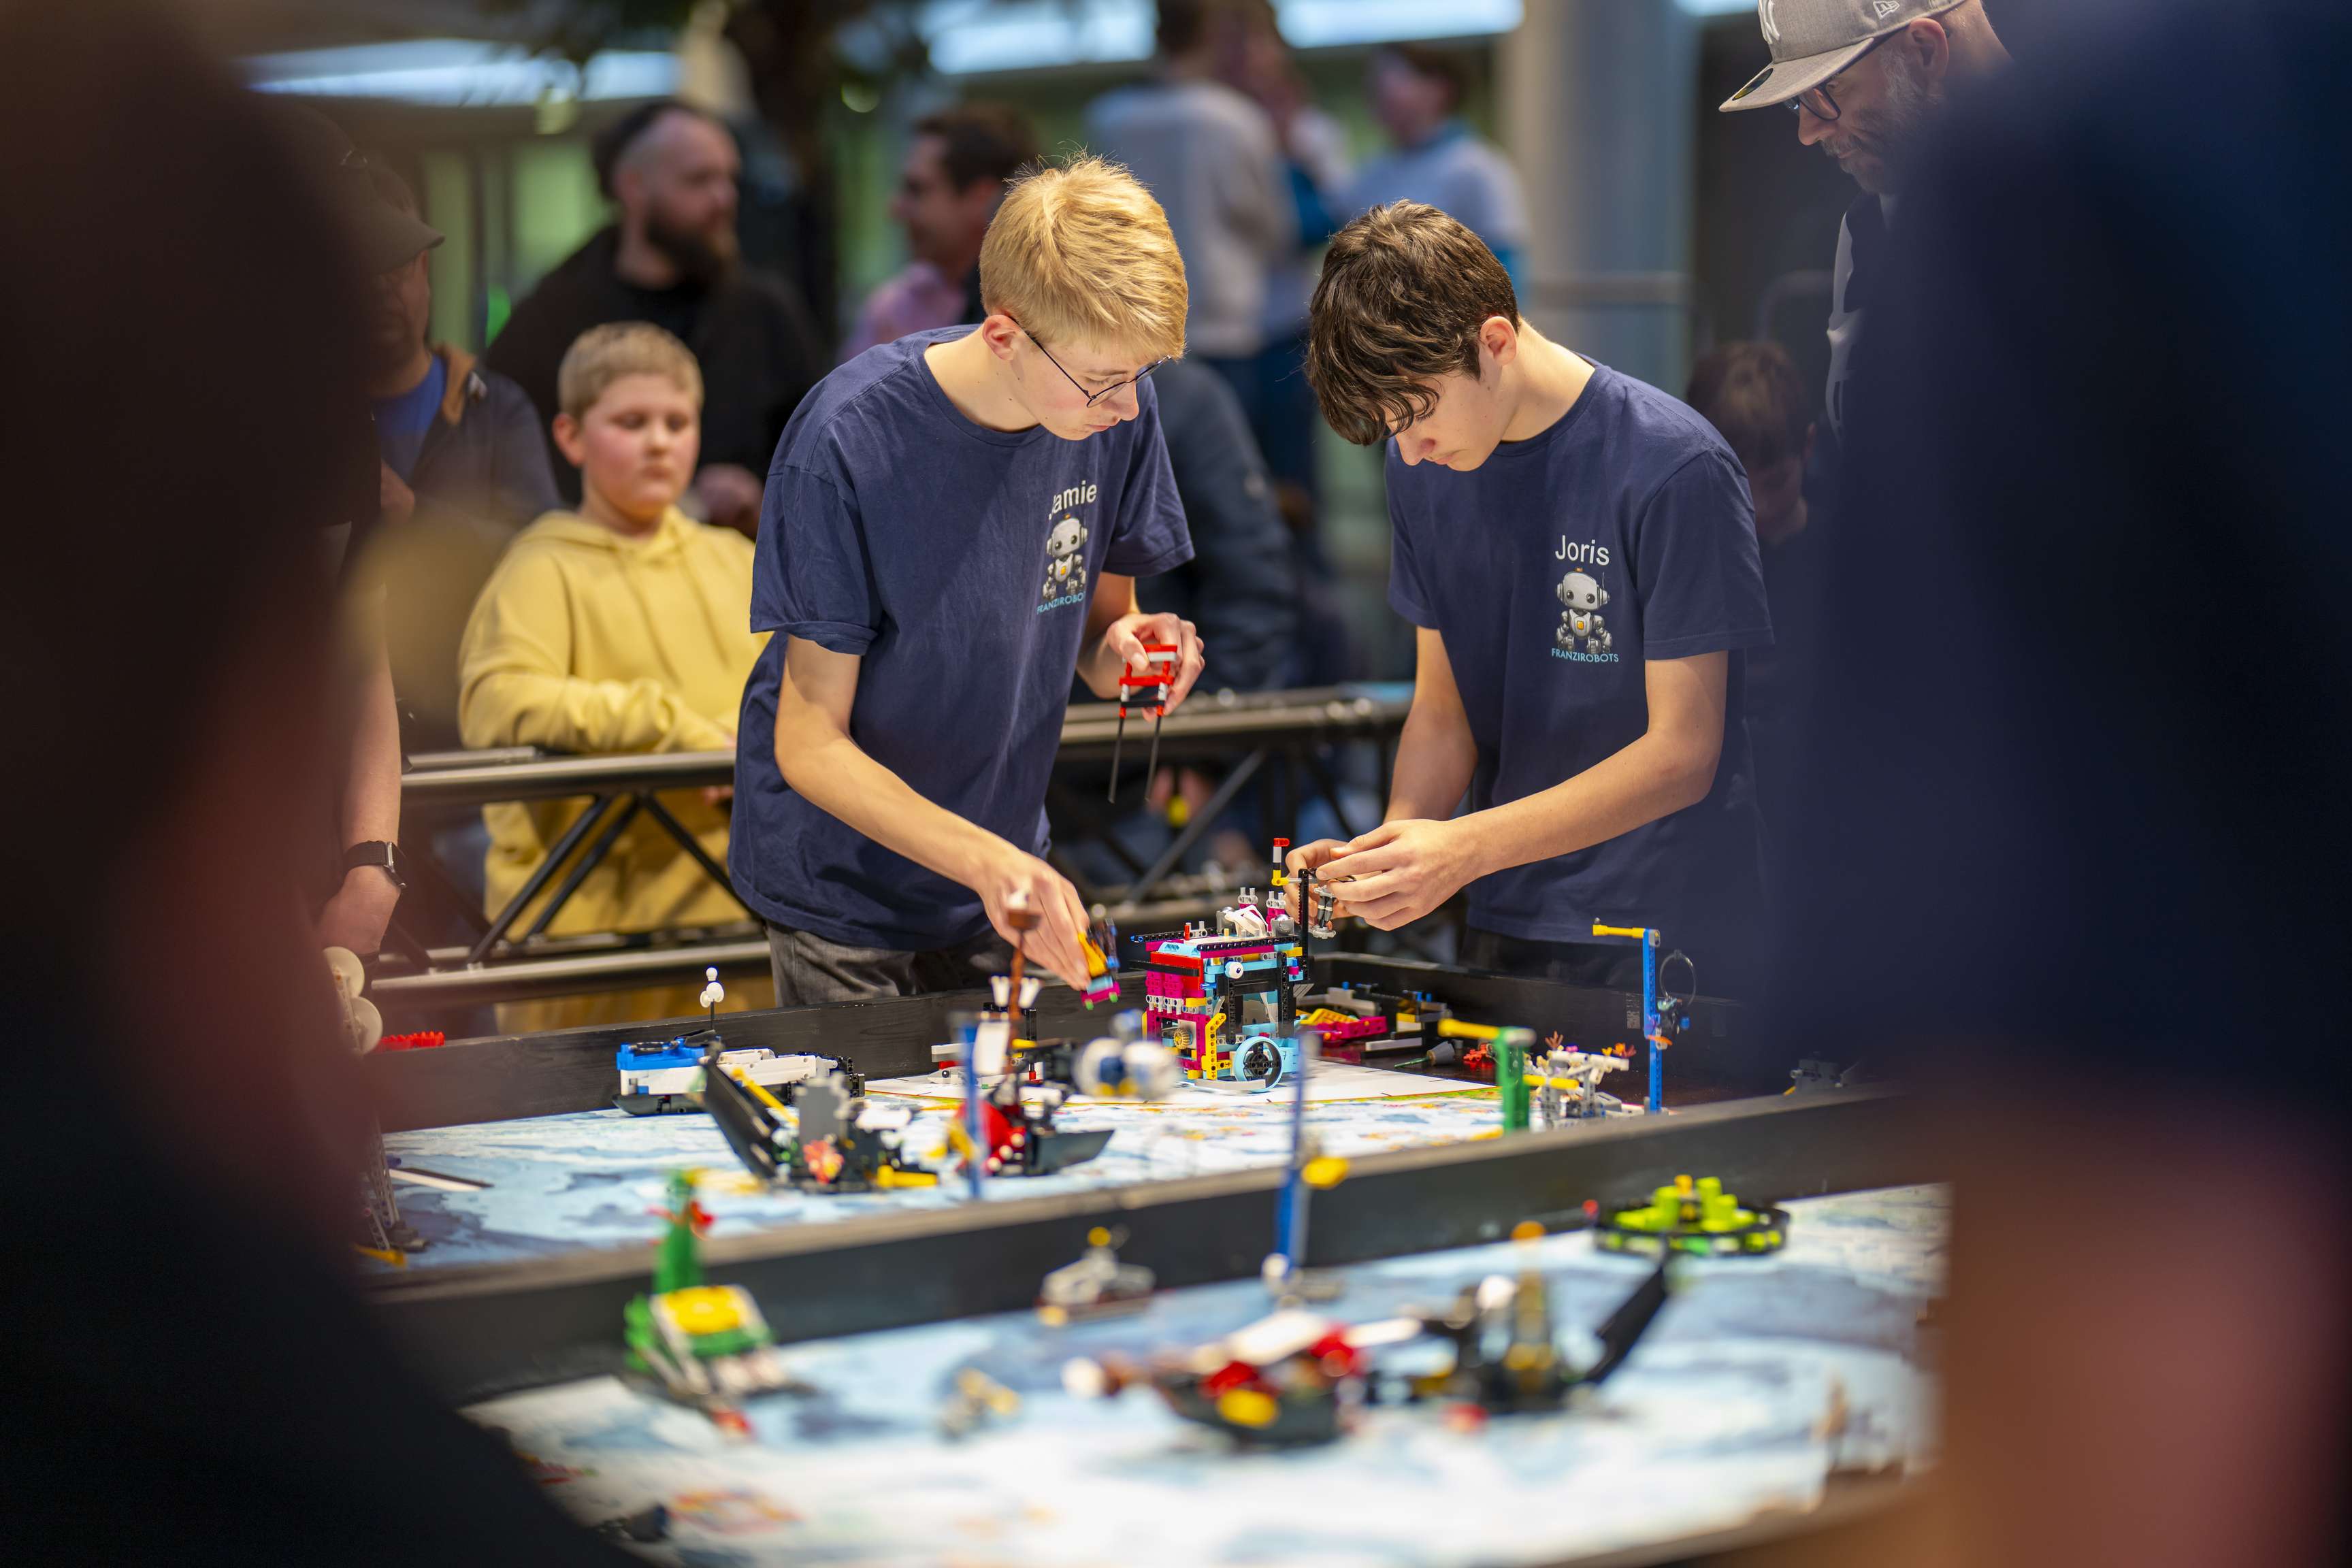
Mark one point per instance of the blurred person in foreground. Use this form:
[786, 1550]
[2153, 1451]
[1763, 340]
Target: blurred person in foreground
[623, 627]
[1866, 80]
[2071, 865]
[1750, 392]
[671, 258]
[464, 466]
[191, 1375]
[1416, 93]
[957, 165]
[1576, 552]
[357, 876]
[1209, 156]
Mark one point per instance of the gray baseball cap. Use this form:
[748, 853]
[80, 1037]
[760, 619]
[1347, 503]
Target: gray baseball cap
[1812, 40]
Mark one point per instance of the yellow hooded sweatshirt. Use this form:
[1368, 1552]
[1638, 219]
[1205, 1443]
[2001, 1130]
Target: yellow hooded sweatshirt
[589, 640]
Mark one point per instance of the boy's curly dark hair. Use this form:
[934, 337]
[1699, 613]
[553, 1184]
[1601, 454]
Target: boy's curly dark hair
[1404, 291]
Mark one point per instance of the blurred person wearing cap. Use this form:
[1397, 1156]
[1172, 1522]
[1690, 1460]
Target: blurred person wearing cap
[450, 431]
[957, 165]
[464, 466]
[1867, 81]
[671, 258]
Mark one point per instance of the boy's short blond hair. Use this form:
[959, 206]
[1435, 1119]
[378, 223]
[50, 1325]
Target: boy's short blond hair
[1079, 252]
[603, 356]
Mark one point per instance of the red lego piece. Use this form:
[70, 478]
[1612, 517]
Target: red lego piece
[1231, 1375]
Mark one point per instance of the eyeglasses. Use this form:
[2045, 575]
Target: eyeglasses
[1817, 100]
[1092, 397]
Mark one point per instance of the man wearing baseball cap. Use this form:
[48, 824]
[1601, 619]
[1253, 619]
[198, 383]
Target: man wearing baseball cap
[1866, 79]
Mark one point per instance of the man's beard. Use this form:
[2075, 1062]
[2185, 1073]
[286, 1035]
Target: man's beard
[699, 256]
[391, 343]
[1890, 138]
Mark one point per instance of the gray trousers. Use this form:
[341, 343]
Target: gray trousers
[809, 969]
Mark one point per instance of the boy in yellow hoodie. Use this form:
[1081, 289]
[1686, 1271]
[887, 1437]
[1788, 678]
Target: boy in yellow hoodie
[623, 627]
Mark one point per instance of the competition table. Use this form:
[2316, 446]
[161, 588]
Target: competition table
[517, 1307]
[1717, 1429]
[586, 1179]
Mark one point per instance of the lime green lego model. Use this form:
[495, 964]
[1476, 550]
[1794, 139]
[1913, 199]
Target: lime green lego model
[707, 1344]
[1696, 1218]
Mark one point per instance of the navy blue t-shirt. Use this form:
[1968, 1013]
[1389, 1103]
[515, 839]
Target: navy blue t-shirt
[402, 422]
[956, 562]
[1622, 533]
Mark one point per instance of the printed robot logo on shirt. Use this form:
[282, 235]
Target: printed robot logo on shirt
[1158, 672]
[1584, 596]
[1065, 562]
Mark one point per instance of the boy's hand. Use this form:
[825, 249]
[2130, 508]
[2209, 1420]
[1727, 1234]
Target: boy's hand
[1124, 638]
[1310, 858]
[1400, 870]
[1053, 941]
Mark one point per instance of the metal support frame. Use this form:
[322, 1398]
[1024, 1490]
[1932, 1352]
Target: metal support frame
[539, 877]
[1282, 738]
[588, 862]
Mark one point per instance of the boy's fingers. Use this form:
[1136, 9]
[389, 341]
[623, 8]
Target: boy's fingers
[1358, 863]
[1365, 892]
[1125, 641]
[1190, 660]
[1311, 857]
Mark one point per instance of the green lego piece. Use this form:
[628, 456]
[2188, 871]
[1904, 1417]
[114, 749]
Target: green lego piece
[678, 1264]
[1511, 1076]
[1696, 1217]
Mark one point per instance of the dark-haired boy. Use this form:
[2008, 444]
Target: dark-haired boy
[1579, 552]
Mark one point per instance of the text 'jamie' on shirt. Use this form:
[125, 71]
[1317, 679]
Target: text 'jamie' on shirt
[1622, 533]
[955, 560]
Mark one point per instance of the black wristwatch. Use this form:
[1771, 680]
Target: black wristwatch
[377, 853]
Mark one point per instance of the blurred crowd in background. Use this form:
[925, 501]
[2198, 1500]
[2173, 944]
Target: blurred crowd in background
[660, 184]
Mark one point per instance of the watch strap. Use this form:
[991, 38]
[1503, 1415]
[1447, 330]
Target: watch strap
[378, 853]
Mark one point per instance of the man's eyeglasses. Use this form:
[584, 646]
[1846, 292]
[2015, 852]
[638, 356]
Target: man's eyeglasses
[1817, 100]
[1092, 397]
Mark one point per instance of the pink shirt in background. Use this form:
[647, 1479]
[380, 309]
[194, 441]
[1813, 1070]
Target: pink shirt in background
[916, 300]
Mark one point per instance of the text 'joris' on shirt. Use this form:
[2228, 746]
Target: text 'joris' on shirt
[956, 562]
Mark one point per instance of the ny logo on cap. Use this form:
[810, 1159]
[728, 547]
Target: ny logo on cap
[1772, 23]
[1887, 8]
